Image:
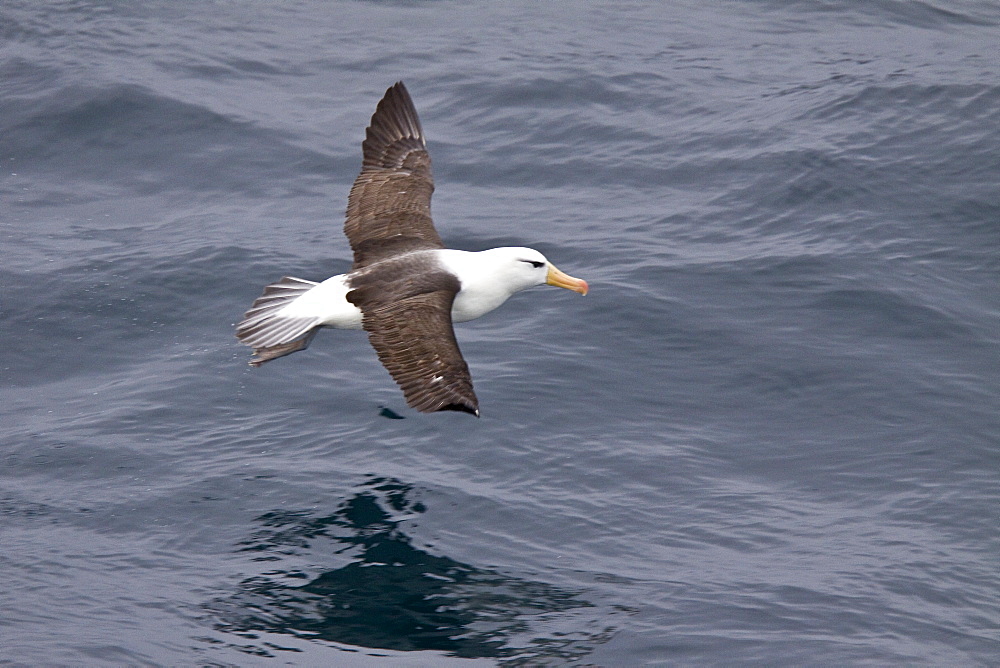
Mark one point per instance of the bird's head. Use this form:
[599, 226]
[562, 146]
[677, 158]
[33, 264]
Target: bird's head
[526, 267]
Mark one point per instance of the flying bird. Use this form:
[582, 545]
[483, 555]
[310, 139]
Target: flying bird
[405, 288]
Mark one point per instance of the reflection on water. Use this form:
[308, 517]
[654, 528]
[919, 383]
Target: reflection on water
[392, 595]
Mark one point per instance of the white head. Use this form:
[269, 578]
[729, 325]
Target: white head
[521, 268]
[489, 277]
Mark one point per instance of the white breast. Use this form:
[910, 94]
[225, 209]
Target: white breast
[482, 291]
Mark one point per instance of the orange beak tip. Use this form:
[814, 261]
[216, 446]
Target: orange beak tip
[561, 280]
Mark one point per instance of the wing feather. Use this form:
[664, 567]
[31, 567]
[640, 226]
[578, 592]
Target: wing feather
[389, 208]
[409, 324]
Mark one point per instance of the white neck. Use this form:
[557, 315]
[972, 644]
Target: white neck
[486, 280]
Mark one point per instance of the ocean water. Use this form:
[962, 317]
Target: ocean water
[770, 435]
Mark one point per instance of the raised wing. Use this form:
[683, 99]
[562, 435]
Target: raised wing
[409, 324]
[389, 208]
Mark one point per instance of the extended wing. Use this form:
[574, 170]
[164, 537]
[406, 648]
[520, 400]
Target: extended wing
[408, 321]
[389, 208]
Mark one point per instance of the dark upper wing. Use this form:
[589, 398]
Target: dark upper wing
[408, 321]
[389, 208]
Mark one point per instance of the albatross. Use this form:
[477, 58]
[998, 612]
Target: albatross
[405, 289]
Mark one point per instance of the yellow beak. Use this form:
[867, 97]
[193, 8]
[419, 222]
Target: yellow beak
[561, 280]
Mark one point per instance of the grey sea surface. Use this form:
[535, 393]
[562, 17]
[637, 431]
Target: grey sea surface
[770, 435]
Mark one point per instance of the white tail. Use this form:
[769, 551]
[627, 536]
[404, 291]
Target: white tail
[271, 334]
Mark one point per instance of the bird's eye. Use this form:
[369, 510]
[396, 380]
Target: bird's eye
[534, 263]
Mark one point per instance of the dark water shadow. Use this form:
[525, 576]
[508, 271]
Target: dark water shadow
[393, 595]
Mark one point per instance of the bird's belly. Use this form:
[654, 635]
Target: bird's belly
[328, 301]
[469, 305]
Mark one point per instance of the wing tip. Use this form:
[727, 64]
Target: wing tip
[394, 129]
[460, 408]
